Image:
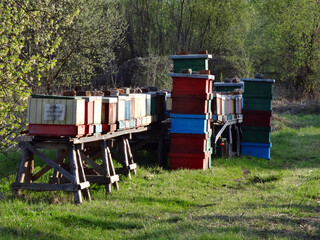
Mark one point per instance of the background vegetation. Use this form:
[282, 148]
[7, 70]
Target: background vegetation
[49, 46]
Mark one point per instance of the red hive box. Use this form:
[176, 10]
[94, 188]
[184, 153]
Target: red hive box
[57, 130]
[191, 83]
[188, 143]
[190, 104]
[189, 160]
[252, 118]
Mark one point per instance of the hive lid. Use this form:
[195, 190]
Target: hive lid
[223, 84]
[53, 96]
[257, 80]
[187, 116]
[109, 99]
[191, 56]
[183, 75]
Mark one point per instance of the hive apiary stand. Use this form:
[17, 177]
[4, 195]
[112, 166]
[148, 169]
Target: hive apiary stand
[257, 112]
[81, 169]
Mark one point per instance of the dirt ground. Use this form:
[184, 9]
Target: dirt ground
[295, 107]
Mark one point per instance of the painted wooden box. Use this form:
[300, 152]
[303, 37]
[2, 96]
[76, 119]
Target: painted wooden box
[196, 62]
[143, 105]
[188, 143]
[121, 111]
[258, 87]
[189, 160]
[257, 103]
[95, 113]
[109, 110]
[154, 103]
[89, 110]
[137, 106]
[56, 116]
[256, 134]
[191, 83]
[190, 104]
[148, 104]
[189, 123]
[132, 105]
[257, 118]
[227, 87]
[128, 108]
[56, 110]
[259, 150]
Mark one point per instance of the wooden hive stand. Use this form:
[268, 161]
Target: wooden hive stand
[72, 172]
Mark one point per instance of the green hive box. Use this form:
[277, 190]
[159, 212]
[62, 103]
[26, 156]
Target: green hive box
[258, 87]
[257, 103]
[228, 87]
[196, 62]
[256, 134]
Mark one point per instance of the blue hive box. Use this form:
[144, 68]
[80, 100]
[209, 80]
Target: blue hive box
[189, 123]
[259, 150]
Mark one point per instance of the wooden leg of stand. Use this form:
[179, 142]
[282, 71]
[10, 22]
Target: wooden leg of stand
[75, 173]
[111, 168]
[82, 176]
[21, 170]
[104, 156]
[125, 160]
[130, 156]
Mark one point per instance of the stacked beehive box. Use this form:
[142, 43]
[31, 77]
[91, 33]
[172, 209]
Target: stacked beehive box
[227, 102]
[56, 116]
[257, 112]
[78, 116]
[190, 145]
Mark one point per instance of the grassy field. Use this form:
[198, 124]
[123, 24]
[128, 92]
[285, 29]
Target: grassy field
[239, 198]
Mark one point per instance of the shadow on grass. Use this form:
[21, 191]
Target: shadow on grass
[78, 221]
[223, 227]
[10, 233]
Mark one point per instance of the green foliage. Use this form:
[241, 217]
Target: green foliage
[88, 46]
[164, 27]
[27, 41]
[286, 42]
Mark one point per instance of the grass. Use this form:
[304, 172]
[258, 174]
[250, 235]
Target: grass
[239, 198]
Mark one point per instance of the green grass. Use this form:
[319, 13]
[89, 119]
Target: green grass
[239, 198]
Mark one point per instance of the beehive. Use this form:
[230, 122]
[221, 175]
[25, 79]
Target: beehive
[56, 110]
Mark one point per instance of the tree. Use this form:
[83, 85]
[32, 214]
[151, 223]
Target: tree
[27, 41]
[158, 27]
[286, 42]
[88, 46]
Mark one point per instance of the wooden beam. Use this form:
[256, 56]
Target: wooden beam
[102, 179]
[46, 186]
[109, 135]
[58, 160]
[92, 163]
[75, 174]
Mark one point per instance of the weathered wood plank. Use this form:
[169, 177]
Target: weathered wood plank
[112, 170]
[82, 176]
[125, 159]
[75, 173]
[46, 186]
[102, 179]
